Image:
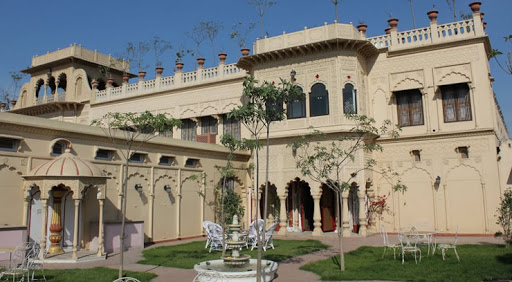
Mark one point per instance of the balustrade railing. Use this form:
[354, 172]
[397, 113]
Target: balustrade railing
[59, 97]
[456, 29]
[170, 82]
[433, 34]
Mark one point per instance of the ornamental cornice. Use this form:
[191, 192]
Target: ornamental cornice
[442, 45]
[436, 136]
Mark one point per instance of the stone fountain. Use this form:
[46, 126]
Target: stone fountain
[237, 267]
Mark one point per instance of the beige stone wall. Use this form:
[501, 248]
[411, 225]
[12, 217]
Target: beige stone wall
[166, 216]
[469, 189]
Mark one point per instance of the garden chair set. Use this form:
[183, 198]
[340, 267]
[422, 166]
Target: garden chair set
[24, 263]
[215, 235]
[411, 239]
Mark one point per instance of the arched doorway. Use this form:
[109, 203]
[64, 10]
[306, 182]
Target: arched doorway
[328, 209]
[353, 207]
[300, 206]
[273, 204]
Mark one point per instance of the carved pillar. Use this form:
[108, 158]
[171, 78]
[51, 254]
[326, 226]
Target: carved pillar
[345, 215]
[283, 219]
[75, 230]
[295, 201]
[362, 215]
[56, 226]
[26, 207]
[317, 216]
[100, 229]
[42, 241]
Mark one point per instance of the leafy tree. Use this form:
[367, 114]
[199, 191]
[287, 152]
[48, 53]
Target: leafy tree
[505, 217]
[159, 47]
[9, 93]
[198, 35]
[136, 52]
[326, 161]
[240, 32]
[261, 7]
[506, 66]
[262, 105]
[128, 132]
[211, 30]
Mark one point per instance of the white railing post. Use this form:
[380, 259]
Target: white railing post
[178, 78]
[479, 26]
[394, 37]
[434, 33]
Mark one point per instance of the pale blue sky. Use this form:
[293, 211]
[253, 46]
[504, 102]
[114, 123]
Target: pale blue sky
[31, 27]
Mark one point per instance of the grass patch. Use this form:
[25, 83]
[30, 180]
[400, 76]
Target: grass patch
[186, 255]
[97, 274]
[477, 263]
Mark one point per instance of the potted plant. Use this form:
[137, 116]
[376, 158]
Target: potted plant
[393, 22]
[200, 62]
[475, 6]
[432, 15]
[222, 57]
[240, 33]
[362, 27]
[179, 57]
[159, 47]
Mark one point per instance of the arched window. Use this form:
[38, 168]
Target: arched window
[39, 88]
[62, 83]
[59, 147]
[188, 130]
[319, 100]
[101, 84]
[78, 87]
[297, 108]
[52, 85]
[349, 99]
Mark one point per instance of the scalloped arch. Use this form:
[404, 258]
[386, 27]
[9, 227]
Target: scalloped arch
[229, 107]
[453, 77]
[408, 83]
[213, 111]
[463, 165]
[420, 169]
[183, 113]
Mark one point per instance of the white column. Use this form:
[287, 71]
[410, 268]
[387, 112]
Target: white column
[75, 230]
[295, 208]
[362, 215]
[317, 216]
[345, 216]
[42, 241]
[101, 246]
[283, 222]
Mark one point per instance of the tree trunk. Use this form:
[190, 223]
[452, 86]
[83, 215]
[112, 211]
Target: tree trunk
[265, 201]
[123, 215]
[339, 215]
[258, 235]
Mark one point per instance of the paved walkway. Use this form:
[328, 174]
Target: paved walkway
[288, 270]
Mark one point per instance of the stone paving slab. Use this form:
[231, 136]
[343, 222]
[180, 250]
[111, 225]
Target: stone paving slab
[288, 270]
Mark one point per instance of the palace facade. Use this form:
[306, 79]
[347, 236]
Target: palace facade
[453, 153]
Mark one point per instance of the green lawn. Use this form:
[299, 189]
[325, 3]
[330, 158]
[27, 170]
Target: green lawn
[186, 255]
[97, 274]
[478, 262]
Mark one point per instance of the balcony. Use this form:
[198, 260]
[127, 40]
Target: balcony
[207, 138]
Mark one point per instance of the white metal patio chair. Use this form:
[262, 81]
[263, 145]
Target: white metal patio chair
[269, 241]
[19, 264]
[36, 264]
[210, 276]
[216, 235]
[446, 246]
[387, 244]
[206, 223]
[252, 237]
[408, 244]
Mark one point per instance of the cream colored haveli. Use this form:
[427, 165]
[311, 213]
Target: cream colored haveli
[453, 153]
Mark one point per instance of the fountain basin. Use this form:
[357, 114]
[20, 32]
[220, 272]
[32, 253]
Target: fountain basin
[244, 272]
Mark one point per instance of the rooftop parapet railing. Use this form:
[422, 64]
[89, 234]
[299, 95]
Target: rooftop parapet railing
[433, 34]
[78, 51]
[144, 87]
